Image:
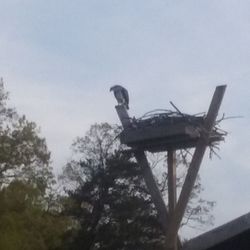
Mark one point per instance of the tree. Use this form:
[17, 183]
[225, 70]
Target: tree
[91, 153]
[25, 224]
[115, 202]
[30, 212]
[23, 153]
[109, 196]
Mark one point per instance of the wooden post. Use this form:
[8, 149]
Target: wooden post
[171, 181]
[175, 221]
[153, 188]
[123, 115]
[156, 195]
[171, 160]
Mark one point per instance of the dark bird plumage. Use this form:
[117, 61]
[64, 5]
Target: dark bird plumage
[121, 95]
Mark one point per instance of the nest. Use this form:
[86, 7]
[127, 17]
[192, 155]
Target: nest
[162, 130]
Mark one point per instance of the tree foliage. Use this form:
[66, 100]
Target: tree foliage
[115, 202]
[25, 224]
[90, 154]
[30, 215]
[23, 153]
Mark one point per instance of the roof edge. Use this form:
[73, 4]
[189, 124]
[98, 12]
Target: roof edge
[219, 234]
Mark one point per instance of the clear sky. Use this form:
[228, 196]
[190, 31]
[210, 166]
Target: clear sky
[59, 58]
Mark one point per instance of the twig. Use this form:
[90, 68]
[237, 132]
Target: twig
[177, 109]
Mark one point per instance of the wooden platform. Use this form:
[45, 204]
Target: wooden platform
[157, 136]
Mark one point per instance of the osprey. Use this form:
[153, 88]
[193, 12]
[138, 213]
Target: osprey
[121, 95]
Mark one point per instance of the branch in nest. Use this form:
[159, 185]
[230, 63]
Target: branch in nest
[213, 152]
[227, 118]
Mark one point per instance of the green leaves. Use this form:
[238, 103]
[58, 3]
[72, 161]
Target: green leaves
[24, 222]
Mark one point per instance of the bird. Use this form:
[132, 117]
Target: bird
[121, 95]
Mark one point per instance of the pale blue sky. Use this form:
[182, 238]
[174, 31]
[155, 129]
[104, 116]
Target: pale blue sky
[59, 59]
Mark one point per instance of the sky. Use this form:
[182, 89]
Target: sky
[59, 58]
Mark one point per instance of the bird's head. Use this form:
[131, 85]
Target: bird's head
[115, 87]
